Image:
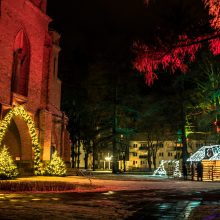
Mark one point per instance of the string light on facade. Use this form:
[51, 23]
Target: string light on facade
[21, 112]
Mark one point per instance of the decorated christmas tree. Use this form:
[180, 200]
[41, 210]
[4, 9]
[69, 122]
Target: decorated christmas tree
[8, 169]
[56, 166]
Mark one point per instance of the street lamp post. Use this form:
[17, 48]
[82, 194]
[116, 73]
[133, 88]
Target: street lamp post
[108, 159]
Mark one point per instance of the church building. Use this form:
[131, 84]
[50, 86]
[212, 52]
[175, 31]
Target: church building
[29, 79]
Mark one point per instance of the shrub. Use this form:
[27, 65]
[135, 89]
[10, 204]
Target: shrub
[35, 186]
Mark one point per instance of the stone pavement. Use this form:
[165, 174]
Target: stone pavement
[117, 197]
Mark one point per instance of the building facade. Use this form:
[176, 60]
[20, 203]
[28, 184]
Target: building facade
[166, 150]
[29, 78]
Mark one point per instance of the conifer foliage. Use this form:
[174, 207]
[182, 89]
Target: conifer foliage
[56, 166]
[8, 169]
[177, 53]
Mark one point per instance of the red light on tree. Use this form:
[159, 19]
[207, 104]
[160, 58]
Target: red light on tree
[217, 124]
[177, 54]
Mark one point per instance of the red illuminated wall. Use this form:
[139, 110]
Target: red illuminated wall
[28, 70]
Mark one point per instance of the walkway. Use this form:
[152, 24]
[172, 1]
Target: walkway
[117, 197]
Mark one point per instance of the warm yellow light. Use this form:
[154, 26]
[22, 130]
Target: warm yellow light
[20, 111]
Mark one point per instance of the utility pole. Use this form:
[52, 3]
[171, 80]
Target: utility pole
[114, 133]
[183, 122]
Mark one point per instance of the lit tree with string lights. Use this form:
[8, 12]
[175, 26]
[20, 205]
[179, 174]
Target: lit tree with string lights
[8, 169]
[56, 166]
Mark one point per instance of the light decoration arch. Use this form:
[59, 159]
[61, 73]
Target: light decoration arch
[20, 111]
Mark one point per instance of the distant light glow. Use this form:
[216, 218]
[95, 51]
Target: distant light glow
[108, 158]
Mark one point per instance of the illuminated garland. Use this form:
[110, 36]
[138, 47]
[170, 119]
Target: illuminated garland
[215, 157]
[160, 170]
[176, 172]
[202, 153]
[20, 111]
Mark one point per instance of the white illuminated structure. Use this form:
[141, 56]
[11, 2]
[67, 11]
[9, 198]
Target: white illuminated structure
[108, 159]
[177, 172]
[161, 171]
[211, 152]
[215, 157]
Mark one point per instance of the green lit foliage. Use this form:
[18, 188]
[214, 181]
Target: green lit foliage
[8, 169]
[56, 166]
[205, 109]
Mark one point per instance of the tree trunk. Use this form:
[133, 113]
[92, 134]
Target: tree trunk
[184, 145]
[154, 161]
[217, 119]
[94, 157]
[86, 160]
[73, 156]
[183, 123]
[115, 154]
[124, 161]
[114, 144]
[149, 161]
[78, 154]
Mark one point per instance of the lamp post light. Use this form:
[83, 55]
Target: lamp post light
[108, 159]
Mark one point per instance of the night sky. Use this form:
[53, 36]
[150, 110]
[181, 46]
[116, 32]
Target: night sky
[106, 29]
[109, 27]
[97, 25]
[93, 31]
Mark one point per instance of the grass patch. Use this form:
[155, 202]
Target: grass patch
[24, 186]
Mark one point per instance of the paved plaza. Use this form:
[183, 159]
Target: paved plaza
[116, 197]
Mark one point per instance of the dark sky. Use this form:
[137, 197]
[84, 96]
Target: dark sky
[109, 27]
[97, 25]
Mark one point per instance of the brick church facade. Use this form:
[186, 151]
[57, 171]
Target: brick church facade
[28, 77]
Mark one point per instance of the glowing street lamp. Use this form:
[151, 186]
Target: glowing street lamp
[108, 159]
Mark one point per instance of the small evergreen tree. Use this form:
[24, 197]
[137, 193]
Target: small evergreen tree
[56, 166]
[8, 169]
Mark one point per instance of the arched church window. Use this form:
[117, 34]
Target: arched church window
[21, 61]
